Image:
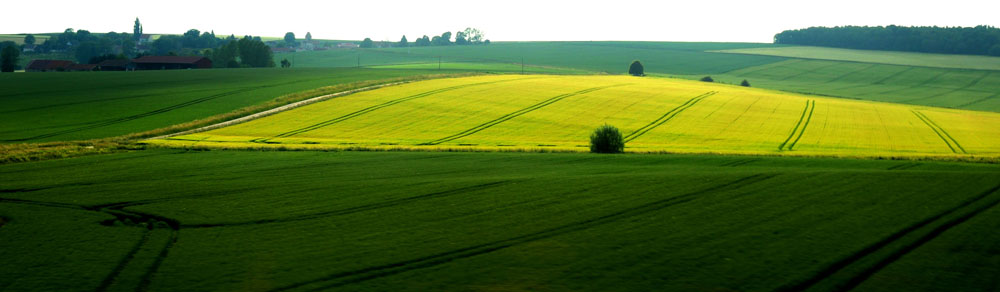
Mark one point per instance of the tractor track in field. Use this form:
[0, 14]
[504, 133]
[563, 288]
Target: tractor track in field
[147, 278]
[98, 101]
[377, 107]
[979, 100]
[904, 166]
[110, 278]
[114, 121]
[374, 272]
[668, 116]
[842, 76]
[953, 90]
[810, 71]
[893, 75]
[800, 126]
[515, 114]
[894, 255]
[740, 162]
[941, 133]
[356, 209]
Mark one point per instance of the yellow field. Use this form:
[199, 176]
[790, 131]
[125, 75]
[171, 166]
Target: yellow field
[557, 113]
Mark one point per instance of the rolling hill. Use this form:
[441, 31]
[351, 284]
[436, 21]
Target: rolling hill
[557, 113]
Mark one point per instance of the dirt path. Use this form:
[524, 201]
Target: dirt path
[277, 110]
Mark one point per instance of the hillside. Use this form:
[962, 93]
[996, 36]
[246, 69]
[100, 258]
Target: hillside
[557, 113]
[952, 81]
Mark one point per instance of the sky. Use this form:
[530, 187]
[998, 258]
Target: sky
[510, 20]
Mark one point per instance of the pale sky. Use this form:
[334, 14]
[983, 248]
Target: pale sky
[513, 20]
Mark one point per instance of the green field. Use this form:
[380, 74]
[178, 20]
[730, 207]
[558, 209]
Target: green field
[59, 106]
[908, 78]
[19, 38]
[558, 113]
[940, 87]
[878, 57]
[609, 57]
[416, 221]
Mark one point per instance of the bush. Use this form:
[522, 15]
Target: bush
[607, 139]
[707, 79]
[636, 69]
[745, 83]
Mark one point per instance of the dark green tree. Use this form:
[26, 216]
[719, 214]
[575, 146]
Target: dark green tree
[403, 42]
[607, 139]
[290, 37]
[636, 69]
[707, 79]
[255, 53]
[745, 83]
[29, 39]
[87, 50]
[309, 36]
[367, 43]
[285, 63]
[191, 39]
[9, 53]
[166, 44]
[225, 56]
[473, 36]
[137, 30]
[460, 38]
[443, 40]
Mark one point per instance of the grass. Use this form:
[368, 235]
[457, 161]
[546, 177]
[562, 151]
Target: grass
[46, 107]
[608, 57]
[939, 87]
[19, 38]
[558, 113]
[416, 221]
[879, 57]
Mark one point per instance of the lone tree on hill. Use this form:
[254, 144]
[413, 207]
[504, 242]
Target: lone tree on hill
[8, 56]
[636, 69]
[367, 43]
[707, 79]
[607, 139]
[745, 83]
[285, 63]
[29, 39]
[403, 42]
[289, 37]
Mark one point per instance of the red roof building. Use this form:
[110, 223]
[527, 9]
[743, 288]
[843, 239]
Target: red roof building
[81, 67]
[47, 65]
[171, 63]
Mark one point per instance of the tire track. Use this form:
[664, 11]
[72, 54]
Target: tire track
[515, 114]
[110, 278]
[810, 71]
[867, 273]
[800, 127]
[953, 90]
[357, 209]
[374, 272]
[377, 107]
[838, 78]
[837, 266]
[979, 100]
[739, 162]
[903, 166]
[147, 278]
[948, 140]
[668, 116]
[893, 75]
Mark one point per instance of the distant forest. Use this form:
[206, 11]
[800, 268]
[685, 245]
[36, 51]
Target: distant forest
[979, 40]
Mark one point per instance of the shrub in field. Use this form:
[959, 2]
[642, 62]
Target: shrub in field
[745, 83]
[707, 79]
[636, 69]
[607, 139]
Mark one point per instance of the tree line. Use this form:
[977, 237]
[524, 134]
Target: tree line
[979, 40]
[469, 36]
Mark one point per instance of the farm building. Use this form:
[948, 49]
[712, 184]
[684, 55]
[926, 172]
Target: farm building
[348, 45]
[115, 65]
[47, 65]
[171, 62]
[81, 67]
